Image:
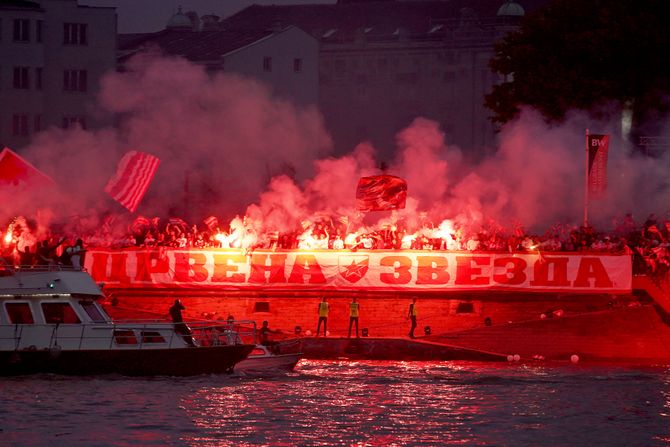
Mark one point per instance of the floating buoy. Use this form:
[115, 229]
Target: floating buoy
[543, 316]
[510, 358]
[574, 358]
[308, 332]
[517, 357]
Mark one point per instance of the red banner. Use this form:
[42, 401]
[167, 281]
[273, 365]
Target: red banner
[381, 193]
[598, 146]
[374, 270]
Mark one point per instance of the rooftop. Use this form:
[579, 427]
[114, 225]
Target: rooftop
[196, 46]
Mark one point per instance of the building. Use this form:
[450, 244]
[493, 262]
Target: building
[384, 63]
[53, 53]
[284, 58]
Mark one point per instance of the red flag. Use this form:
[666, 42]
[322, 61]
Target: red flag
[212, 223]
[598, 145]
[140, 225]
[381, 193]
[132, 178]
[18, 173]
[108, 223]
[176, 221]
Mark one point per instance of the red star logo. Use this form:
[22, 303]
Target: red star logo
[356, 270]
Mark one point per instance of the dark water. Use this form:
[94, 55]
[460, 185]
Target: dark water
[347, 403]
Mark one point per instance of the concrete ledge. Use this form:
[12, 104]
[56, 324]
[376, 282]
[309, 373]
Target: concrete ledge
[390, 349]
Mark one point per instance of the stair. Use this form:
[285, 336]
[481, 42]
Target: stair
[658, 290]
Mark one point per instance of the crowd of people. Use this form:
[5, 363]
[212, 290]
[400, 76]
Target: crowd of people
[26, 243]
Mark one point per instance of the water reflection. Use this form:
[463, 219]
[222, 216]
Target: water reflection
[416, 403]
[347, 404]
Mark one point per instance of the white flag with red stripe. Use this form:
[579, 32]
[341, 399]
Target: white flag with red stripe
[132, 178]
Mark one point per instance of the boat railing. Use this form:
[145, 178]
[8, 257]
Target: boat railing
[9, 269]
[146, 335]
[244, 331]
[212, 333]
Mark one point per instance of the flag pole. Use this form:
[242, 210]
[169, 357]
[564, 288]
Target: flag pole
[586, 182]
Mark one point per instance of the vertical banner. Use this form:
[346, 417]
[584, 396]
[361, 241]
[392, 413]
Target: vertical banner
[597, 146]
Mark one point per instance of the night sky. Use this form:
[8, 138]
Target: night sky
[137, 16]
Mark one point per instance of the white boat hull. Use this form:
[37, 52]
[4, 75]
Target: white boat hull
[262, 360]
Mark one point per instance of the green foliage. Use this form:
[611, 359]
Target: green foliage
[586, 55]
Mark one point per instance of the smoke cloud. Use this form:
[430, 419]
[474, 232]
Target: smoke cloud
[228, 147]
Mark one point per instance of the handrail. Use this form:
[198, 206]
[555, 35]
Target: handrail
[39, 268]
[124, 334]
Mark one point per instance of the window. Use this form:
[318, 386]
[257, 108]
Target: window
[21, 78]
[74, 34]
[75, 80]
[152, 337]
[465, 308]
[59, 313]
[267, 63]
[124, 337]
[19, 313]
[38, 78]
[38, 30]
[261, 306]
[37, 122]
[297, 65]
[361, 92]
[92, 311]
[21, 30]
[20, 125]
[74, 121]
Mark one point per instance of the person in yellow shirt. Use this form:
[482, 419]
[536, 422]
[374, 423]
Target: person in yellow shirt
[412, 316]
[353, 315]
[323, 317]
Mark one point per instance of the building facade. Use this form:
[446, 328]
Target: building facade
[53, 53]
[284, 58]
[384, 63]
[373, 86]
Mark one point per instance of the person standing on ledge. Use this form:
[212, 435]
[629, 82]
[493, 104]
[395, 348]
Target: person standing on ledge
[179, 326]
[323, 317]
[353, 316]
[412, 316]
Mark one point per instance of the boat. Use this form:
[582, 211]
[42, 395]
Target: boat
[51, 321]
[499, 305]
[276, 358]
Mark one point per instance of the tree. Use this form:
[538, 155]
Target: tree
[586, 55]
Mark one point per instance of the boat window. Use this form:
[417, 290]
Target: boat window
[125, 337]
[152, 337]
[465, 308]
[92, 311]
[19, 313]
[59, 313]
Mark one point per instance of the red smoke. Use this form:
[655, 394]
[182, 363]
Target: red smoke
[228, 147]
